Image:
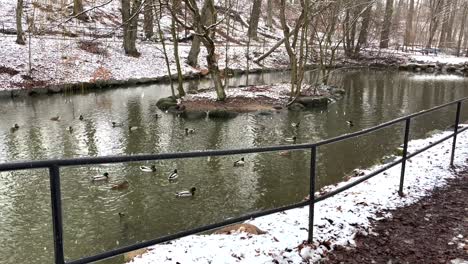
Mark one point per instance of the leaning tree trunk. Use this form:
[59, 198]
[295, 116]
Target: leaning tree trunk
[19, 26]
[148, 20]
[387, 25]
[254, 18]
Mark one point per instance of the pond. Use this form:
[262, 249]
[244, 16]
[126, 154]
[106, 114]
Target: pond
[91, 210]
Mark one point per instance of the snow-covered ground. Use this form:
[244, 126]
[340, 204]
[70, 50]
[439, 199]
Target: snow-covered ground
[61, 61]
[337, 219]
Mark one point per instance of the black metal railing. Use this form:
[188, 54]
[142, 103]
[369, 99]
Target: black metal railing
[55, 190]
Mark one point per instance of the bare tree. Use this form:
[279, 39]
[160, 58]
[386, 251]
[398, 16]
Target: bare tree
[270, 14]
[387, 25]
[462, 29]
[163, 42]
[435, 8]
[130, 11]
[206, 34]
[297, 47]
[78, 10]
[148, 20]
[408, 40]
[19, 21]
[206, 19]
[254, 18]
[175, 41]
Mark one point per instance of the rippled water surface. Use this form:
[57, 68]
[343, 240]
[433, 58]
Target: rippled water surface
[90, 210]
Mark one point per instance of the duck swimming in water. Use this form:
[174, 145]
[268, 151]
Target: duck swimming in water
[292, 139]
[239, 163]
[132, 128]
[55, 118]
[121, 186]
[14, 128]
[81, 117]
[103, 177]
[173, 176]
[296, 125]
[189, 193]
[189, 131]
[70, 129]
[350, 123]
[115, 124]
[151, 168]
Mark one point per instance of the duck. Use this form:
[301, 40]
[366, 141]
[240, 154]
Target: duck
[103, 177]
[173, 175]
[121, 186]
[292, 139]
[239, 163]
[285, 153]
[115, 124]
[81, 117]
[70, 129]
[55, 118]
[132, 128]
[189, 131]
[189, 193]
[296, 125]
[151, 168]
[350, 123]
[14, 128]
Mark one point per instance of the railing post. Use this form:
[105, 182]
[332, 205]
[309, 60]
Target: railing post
[313, 165]
[405, 153]
[56, 203]
[455, 130]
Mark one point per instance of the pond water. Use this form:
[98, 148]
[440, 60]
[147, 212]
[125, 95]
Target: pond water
[91, 211]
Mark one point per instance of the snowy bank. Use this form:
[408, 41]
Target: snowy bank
[337, 219]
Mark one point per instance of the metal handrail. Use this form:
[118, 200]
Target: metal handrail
[55, 165]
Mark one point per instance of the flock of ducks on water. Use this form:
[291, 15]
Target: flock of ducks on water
[171, 178]
[174, 175]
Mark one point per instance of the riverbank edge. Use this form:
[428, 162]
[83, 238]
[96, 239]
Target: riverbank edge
[430, 68]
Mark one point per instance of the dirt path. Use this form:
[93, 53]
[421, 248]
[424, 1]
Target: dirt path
[434, 230]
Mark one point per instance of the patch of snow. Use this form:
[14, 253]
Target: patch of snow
[337, 219]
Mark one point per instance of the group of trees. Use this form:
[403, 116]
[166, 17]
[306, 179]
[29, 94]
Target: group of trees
[312, 30]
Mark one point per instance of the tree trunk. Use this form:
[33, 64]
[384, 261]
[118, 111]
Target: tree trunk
[445, 25]
[364, 28]
[130, 26]
[78, 10]
[450, 30]
[270, 14]
[409, 25]
[148, 20]
[163, 42]
[180, 79]
[254, 18]
[19, 20]
[462, 29]
[435, 6]
[192, 58]
[387, 25]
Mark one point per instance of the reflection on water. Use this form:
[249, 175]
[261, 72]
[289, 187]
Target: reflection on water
[91, 210]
